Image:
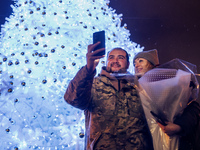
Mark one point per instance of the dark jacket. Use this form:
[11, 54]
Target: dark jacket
[114, 116]
[190, 124]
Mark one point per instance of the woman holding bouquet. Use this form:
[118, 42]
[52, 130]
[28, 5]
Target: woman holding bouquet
[184, 124]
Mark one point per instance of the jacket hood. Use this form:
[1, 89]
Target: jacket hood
[118, 80]
[107, 74]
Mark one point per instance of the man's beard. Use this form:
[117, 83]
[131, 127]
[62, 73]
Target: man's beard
[122, 70]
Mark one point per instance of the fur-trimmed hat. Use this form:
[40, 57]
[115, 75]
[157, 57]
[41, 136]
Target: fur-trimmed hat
[150, 55]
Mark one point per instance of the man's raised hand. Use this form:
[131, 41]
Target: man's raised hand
[92, 59]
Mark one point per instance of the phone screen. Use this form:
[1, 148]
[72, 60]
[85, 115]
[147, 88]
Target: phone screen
[99, 36]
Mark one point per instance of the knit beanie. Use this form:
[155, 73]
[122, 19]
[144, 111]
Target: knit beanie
[150, 55]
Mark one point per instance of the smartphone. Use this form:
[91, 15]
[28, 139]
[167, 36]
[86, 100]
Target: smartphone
[158, 118]
[99, 36]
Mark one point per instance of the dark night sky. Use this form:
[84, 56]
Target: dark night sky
[170, 26]
[5, 10]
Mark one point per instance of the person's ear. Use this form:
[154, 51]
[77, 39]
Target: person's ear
[128, 65]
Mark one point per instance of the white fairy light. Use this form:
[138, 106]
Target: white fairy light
[43, 45]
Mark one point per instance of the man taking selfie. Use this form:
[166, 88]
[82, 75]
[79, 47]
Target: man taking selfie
[114, 117]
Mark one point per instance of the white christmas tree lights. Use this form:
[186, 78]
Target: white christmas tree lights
[42, 46]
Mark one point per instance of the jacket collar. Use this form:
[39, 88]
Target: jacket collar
[125, 80]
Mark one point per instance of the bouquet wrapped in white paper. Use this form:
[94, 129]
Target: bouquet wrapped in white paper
[165, 92]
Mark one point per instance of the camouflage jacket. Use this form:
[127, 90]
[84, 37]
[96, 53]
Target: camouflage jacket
[114, 116]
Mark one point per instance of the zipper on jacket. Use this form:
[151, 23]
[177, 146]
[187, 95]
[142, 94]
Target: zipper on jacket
[118, 85]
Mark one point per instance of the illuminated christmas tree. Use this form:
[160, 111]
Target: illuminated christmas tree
[42, 46]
